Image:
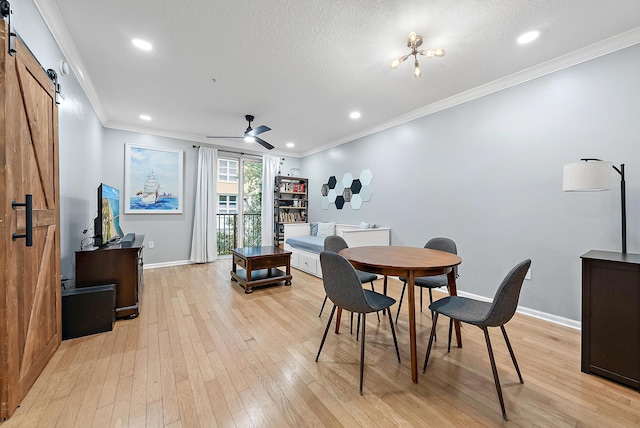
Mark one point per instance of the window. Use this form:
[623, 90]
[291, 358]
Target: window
[228, 170]
[227, 204]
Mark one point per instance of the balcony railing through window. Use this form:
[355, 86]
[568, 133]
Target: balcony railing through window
[227, 238]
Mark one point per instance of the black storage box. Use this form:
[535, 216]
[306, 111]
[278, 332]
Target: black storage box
[88, 310]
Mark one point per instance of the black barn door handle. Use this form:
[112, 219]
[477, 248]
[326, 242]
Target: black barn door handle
[28, 204]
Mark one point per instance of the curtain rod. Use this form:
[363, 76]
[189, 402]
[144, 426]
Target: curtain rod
[235, 153]
[229, 151]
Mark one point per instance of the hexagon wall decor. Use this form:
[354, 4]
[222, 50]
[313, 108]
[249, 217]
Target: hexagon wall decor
[356, 202]
[365, 193]
[332, 182]
[347, 179]
[346, 194]
[332, 195]
[352, 190]
[356, 186]
[366, 176]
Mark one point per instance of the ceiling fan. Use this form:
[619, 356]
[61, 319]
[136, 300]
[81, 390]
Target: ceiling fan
[250, 134]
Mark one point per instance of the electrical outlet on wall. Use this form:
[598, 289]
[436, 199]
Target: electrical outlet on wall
[527, 276]
[152, 244]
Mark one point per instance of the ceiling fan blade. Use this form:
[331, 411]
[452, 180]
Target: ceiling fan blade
[263, 143]
[259, 130]
[215, 136]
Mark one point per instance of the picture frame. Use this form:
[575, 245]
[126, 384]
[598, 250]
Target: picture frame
[153, 180]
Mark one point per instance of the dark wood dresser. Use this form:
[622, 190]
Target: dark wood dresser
[118, 265]
[611, 316]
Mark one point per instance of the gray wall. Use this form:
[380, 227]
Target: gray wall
[80, 136]
[488, 173]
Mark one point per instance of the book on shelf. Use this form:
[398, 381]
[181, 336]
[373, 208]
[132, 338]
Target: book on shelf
[292, 217]
[293, 187]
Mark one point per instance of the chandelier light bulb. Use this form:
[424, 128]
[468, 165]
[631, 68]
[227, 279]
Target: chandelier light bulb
[395, 63]
[412, 36]
[417, 72]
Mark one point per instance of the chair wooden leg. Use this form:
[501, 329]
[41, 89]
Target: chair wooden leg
[325, 332]
[495, 372]
[404, 287]
[450, 330]
[364, 323]
[323, 303]
[513, 356]
[373, 289]
[393, 333]
[433, 332]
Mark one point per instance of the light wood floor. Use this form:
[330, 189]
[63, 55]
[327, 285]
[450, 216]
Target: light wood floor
[203, 353]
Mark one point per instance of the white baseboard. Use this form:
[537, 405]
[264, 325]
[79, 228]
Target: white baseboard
[167, 264]
[577, 325]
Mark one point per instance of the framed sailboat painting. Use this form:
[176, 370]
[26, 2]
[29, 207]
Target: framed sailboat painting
[153, 180]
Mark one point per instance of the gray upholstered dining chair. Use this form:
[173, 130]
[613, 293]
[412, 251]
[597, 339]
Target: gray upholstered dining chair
[431, 282]
[335, 244]
[484, 315]
[344, 289]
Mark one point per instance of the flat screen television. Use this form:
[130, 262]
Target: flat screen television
[106, 225]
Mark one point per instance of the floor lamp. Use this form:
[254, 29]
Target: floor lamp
[591, 175]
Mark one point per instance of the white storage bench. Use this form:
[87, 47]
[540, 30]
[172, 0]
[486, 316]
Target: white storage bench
[309, 260]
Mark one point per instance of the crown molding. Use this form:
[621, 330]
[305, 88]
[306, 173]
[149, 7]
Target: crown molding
[604, 47]
[58, 28]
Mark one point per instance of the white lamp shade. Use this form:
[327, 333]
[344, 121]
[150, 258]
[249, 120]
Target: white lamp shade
[587, 176]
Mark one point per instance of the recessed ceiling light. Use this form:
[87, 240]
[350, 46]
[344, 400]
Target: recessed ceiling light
[290, 144]
[355, 115]
[142, 44]
[528, 37]
[145, 117]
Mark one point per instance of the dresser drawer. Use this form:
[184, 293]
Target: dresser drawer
[307, 264]
[295, 259]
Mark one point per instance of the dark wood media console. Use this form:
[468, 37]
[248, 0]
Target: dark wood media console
[118, 265]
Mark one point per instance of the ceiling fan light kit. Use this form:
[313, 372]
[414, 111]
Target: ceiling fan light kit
[414, 41]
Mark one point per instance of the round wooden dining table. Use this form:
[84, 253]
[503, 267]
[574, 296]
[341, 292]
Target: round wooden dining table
[409, 262]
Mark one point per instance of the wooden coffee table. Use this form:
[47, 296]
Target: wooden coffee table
[260, 266]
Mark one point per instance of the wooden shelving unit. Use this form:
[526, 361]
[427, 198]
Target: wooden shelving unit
[291, 204]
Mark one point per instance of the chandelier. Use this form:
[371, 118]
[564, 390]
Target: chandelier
[414, 42]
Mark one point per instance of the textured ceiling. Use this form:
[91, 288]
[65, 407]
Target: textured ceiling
[302, 66]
